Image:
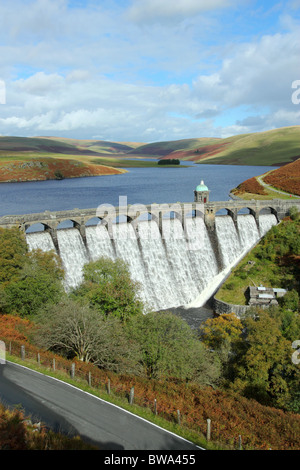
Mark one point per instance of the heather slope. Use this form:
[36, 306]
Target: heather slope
[275, 147]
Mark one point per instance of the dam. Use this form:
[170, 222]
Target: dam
[179, 253]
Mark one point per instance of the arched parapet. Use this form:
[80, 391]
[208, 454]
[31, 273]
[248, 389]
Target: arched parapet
[144, 216]
[271, 210]
[226, 210]
[132, 214]
[91, 221]
[39, 225]
[250, 210]
[170, 211]
[72, 222]
[68, 222]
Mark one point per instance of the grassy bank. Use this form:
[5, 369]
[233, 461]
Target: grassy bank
[30, 168]
[274, 262]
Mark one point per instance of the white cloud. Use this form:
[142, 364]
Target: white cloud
[81, 72]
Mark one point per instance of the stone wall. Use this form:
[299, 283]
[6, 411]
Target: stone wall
[220, 307]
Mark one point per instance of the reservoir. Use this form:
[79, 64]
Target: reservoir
[139, 185]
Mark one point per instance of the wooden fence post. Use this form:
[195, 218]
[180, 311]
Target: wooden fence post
[240, 442]
[73, 370]
[38, 359]
[108, 386]
[155, 406]
[178, 417]
[53, 364]
[90, 379]
[23, 352]
[208, 431]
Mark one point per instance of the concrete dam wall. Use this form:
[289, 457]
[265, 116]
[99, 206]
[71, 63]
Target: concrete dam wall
[179, 261]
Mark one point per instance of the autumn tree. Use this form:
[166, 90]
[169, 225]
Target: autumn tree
[35, 284]
[74, 329]
[170, 348]
[264, 369]
[13, 249]
[224, 329]
[108, 287]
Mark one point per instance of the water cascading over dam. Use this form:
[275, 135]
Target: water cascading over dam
[182, 268]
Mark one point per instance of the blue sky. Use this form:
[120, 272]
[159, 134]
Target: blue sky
[148, 70]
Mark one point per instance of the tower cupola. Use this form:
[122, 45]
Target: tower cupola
[201, 193]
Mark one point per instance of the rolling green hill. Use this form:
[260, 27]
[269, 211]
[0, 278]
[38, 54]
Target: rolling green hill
[58, 145]
[162, 149]
[276, 147]
[271, 148]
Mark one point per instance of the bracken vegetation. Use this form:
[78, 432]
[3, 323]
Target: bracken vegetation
[286, 178]
[251, 186]
[19, 433]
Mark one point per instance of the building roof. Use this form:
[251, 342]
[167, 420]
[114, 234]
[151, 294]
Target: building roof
[202, 187]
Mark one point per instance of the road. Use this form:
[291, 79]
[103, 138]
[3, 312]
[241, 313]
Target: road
[67, 409]
[261, 181]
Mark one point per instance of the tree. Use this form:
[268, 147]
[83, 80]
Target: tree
[216, 332]
[73, 329]
[38, 282]
[13, 249]
[264, 369]
[109, 288]
[170, 348]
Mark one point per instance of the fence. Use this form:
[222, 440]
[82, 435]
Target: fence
[94, 377]
[135, 390]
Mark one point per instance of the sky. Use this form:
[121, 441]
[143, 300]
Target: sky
[148, 70]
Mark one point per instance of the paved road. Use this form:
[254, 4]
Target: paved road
[261, 181]
[67, 409]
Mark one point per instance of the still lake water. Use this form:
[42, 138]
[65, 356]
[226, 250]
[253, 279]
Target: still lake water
[139, 185]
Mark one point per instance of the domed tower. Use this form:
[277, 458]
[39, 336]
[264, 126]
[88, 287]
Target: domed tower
[202, 193]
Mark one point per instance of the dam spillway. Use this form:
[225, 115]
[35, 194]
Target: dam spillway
[175, 267]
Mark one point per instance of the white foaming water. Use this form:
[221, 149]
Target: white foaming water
[127, 248]
[179, 268]
[228, 238]
[40, 241]
[99, 243]
[157, 267]
[73, 254]
[248, 231]
[266, 222]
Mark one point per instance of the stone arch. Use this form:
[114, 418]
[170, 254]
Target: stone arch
[119, 219]
[171, 214]
[267, 209]
[35, 227]
[226, 211]
[246, 210]
[67, 223]
[144, 216]
[191, 214]
[92, 221]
